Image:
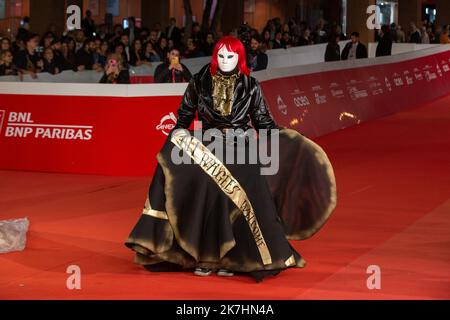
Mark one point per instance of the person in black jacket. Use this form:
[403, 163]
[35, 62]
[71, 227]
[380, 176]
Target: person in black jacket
[84, 58]
[415, 34]
[173, 33]
[28, 60]
[256, 59]
[114, 71]
[57, 52]
[172, 71]
[88, 24]
[354, 49]
[333, 51]
[228, 217]
[384, 47]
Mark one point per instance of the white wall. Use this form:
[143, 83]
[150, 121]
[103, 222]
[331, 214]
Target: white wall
[398, 48]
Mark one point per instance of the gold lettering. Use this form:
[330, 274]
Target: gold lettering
[230, 186]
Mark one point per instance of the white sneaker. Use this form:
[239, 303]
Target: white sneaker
[225, 273]
[202, 272]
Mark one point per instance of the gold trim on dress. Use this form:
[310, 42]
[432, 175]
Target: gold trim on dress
[212, 166]
[154, 213]
[290, 262]
[322, 158]
[171, 210]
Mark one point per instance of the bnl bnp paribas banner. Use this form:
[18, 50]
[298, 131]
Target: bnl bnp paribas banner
[22, 125]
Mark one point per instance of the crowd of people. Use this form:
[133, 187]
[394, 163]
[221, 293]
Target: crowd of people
[113, 50]
[429, 33]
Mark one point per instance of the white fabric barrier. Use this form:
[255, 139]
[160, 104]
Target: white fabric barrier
[278, 58]
[399, 48]
[64, 77]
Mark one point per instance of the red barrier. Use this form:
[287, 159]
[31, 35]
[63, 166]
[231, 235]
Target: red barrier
[121, 136]
[142, 79]
[95, 135]
[320, 103]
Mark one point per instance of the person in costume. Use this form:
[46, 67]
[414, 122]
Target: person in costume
[212, 215]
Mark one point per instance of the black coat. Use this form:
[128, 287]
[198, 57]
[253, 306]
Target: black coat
[25, 61]
[164, 75]
[175, 35]
[257, 61]
[333, 52]
[122, 78]
[384, 47]
[249, 105]
[415, 38]
[84, 58]
[361, 51]
[88, 27]
[135, 57]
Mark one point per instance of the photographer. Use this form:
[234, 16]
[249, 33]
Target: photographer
[114, 72]
[172, 71]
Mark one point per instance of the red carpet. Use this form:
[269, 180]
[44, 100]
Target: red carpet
[393, 211]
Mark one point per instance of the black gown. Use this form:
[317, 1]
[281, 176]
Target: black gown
[216, 215]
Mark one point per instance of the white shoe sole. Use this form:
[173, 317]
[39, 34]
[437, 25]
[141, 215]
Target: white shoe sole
[202, 273]
[225, 274]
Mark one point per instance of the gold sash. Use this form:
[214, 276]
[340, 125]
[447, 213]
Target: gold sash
[227, 183]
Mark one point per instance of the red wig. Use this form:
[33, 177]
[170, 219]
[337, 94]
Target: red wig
[232, 44]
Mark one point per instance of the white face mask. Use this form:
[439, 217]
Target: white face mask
[227, 60]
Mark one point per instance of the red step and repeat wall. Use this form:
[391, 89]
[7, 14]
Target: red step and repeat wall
[122, 135]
